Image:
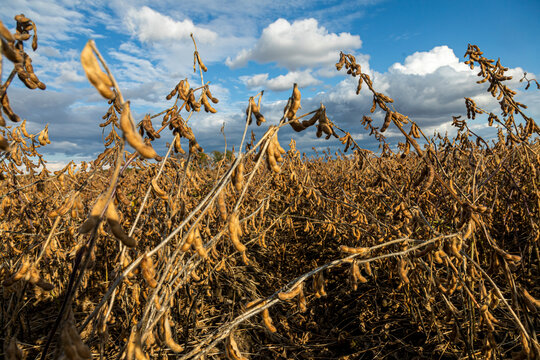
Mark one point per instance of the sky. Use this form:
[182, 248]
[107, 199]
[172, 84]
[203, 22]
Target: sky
[413, 51]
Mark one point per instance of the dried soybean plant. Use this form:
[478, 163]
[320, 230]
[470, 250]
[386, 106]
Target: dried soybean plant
[19, 147]
[474, 220]
[455, 274]
[431, 251]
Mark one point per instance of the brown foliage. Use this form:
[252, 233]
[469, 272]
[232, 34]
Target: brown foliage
[432, 252]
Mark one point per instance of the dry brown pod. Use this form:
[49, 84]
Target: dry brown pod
[415, 131]
[222, 206]
[172, 93]
[95, 75]
[430, 178]
[198, 244]
[33, 277]
[354, 250]
[278, 150]
[7, 109]
[426, 250]
[159, 192]
[274, 152]
[318, 285]
[356, 275]
[207, 106]
[178, 145]
[267, 320]
[238, 177]
[469, 230]
[24, 77]
[23, 129]
[130, 348]
[387, 120]
[255, 111]
[295, 103]
[4, 145]
[189, 240]
[324, 126]
[455, 246]
[10, 52]
[169, 341]
[403, 271]
[134, 349]
[532, 304]
[72, 344]
[65, 207]
[201, 64]
[292, 293]
[148, 271]
[367, 268]
[302, 302]
[235, 231]
[297, 126]
[21, 37]
[146, 125]
[132, 136]
[43, 136]
[214, 99]
[183, 89]
[341, 62]
[113, 219]
[255, 304]
[31, 75]
[231, 349]
[192, 102]
[23, 270]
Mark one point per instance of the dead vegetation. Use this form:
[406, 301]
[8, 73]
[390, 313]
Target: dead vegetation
[428, 252]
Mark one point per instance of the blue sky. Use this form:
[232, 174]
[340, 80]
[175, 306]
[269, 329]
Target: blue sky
[413, 51]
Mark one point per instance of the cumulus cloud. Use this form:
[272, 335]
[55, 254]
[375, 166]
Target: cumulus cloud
[301, 44]
[281, 82]
[426, 62]
[149, 25]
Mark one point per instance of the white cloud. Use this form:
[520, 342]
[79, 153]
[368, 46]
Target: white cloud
[281, 82]
[257, 80]
[150, 26]
[301, 44]
[70, 75]
[135, 68]
[49, 51]
[426, 62]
